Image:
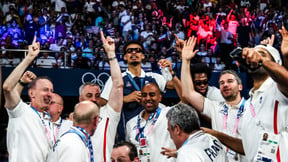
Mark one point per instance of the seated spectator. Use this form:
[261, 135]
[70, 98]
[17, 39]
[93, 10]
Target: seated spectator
[46, 61]
[80, 61]
[10, 60]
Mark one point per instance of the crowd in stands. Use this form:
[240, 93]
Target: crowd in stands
[71, 28]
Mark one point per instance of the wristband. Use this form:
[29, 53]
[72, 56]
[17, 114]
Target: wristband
[112, 58]
[22, 83]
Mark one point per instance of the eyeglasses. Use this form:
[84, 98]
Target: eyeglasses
[130, 50]
[200, 82]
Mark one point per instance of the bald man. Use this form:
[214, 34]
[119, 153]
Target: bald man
[75, 144]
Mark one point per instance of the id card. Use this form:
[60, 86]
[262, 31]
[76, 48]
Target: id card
[144, 152]
[268, 146]
[232, 155]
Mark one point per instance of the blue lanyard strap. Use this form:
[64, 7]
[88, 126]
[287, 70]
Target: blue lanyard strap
[240, 110]
[140, 130]
[134, 82]
[85, 137]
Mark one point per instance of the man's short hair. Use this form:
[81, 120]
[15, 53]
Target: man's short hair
[133, 150]
[32, 84]
[133, 42]
[84, 85]
[200, 68]
[237, 77]
[184, 116]
[84, 117]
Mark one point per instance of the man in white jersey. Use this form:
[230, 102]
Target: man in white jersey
[266, 111]
[191, 142]
[29, 135]
[76, 144]
[224, 115]
[104, 136]
[148, 130]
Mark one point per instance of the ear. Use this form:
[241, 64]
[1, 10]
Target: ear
[240, 87]
[177, 129]
[143, 56]
[125, 57]
[31, 93]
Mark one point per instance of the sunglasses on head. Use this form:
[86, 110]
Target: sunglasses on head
[130, 50]
[200, 82]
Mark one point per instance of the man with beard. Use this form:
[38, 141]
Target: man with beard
[134, 79]
[29, 136]
[148, 130]
[225, 115]
[266, 110]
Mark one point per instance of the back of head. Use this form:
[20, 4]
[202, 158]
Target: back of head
[185, 117]
[85, 111]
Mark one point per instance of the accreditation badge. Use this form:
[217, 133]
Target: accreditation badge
[268, 146]
[144, 152]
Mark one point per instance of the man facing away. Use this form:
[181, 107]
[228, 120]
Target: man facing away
[76, 144]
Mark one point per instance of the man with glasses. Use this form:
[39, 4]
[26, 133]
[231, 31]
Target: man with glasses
[225, 115]
[134, 79]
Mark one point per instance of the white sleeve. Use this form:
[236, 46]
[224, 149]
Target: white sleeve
[209, 107]
[107, 89]
[20, 108]
[161, 81]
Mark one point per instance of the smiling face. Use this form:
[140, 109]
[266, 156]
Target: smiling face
[41, 94]
[229, 87]
[150, 97]
[90, 93]
[134, 57]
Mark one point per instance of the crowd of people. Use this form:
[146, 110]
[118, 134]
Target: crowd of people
[68, 31]
[127, 121]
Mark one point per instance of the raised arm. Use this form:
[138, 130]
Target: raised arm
[188, 91]
[116, 95]
[26, 78]
[284, 46]
[11, 94]
[229, 141]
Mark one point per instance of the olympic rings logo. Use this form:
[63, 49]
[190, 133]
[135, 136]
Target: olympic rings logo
[100, 80]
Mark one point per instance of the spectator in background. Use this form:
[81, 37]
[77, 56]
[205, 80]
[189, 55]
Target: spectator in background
[80, 61]
[46, 61]
[30, 28]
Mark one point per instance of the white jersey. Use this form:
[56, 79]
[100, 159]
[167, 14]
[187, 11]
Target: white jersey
[201, 147]
[156, 138]
[214, 94]
[61, 126]
[102, 132]
[215, 110]
[263, 101]
[69, 147]
[26, 137]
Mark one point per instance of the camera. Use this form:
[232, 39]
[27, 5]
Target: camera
[236, 55]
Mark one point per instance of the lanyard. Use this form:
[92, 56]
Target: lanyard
[46, 126]
[140, 131]
[239, 113]
[57, 128]
[134, 82]
[85, 137]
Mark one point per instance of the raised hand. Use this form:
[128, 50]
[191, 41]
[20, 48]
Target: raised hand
[165, 63]
[109, 45]
[188, 49]
[28, 76]
[34, 48]
[179, 44]
[269, 41]
[284, 44]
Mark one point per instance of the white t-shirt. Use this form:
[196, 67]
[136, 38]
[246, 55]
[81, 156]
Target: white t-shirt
[215, 110]
[26, 137]
[214, 94]
[263, 101]
[69, 147]
[46, 62]
[157, 138]
[201, 147]
[98, 138]
[61, 126]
